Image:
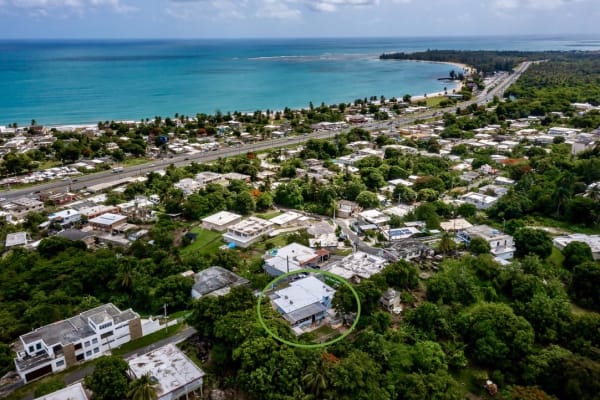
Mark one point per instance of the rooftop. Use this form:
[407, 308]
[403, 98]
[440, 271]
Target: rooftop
[221, 218]
[73, 392]
[216, 281]
[108, 219]
[458, 224]
[285, 218]
[358, 264]
[75, 328]
[16, 239]
[302, 293]
[251, 226]
[169, 366]
[485, 232]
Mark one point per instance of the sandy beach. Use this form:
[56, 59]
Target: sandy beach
[454, 85]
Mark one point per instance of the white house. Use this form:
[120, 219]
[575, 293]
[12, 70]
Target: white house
[247, 232]
[358, 265]
[591, 240]
[480, 201]
[65, 217]
[290, 258]
[71, 392]
[220, 221]
[502, 246]
[176, 376]
[63, 344]
[304, 302]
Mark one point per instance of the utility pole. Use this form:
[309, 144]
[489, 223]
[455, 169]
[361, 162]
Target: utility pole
[165, 317]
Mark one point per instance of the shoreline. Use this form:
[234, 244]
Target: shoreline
[414, 97]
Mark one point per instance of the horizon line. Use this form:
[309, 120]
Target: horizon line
[444, 36]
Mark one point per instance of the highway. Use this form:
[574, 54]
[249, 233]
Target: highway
[85, 181]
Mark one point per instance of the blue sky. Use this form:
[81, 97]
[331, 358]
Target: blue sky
[293, 18]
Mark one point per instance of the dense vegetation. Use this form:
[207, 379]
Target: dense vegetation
[488, 61]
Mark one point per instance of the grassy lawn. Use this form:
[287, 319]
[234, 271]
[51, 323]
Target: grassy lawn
[556, 257]
[130, 162]
[269, 215]
[434, 101]
[148, 340]
[207, 242]
[549, 222]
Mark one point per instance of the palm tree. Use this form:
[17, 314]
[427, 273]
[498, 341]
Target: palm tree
[142, 388]
[316, 379]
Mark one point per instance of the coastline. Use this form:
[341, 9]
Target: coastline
[458, 84]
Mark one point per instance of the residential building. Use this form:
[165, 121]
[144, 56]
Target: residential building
[76, 234]
[292, 257]
[16, 239]
[65, 217]
[390, 300]
[346, 209]
[91, 212]
[502, 246]
[591, 240]
[215, 281]
[108, 222]
[405, 250]
[72, 392]
[288, 218]
[247, 232]
[304, 303]
[375, 217]
[188, 186]
[176, 376]
[480, 201]
[58, 198]
[63, 344]
[358, 266]
[455, 225]
[220, 221]
[400, 233]
[19, 208]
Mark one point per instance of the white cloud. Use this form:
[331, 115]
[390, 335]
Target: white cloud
[42, 8]
[509, 5]
[116, 5]
[277, 9]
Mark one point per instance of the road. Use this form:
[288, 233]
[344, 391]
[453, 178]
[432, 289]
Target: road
[85, 181]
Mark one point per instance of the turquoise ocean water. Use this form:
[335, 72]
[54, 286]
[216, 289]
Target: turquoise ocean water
[72, 81]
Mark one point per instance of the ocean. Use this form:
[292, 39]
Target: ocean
[86, 81]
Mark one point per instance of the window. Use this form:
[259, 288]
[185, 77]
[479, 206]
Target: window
[60, 363]
[105, 335]
[95, 341]
[79, 357]
[88, 353]
[31, 349]
[106, 325]
[38, 346]
[87, 344]
[78, 346]
[96, 350]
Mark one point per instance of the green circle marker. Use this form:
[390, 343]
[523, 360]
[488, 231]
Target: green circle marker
[315, 345]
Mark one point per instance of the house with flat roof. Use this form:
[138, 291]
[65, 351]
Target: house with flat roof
[358, 266]
[502, 246]
[347, 208]
[405, 250]
[304, 303]
[215, 281]
[107, 222]
[292, 257]
[176, 376]
[288, 218]
[220, 221]
[479, 200]
[16, 239]
[247, 232]
[62, 344]
[19, 208]
[65, 217]
[375, 217]
[591, 240]
[455, 225]
[71, 392]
